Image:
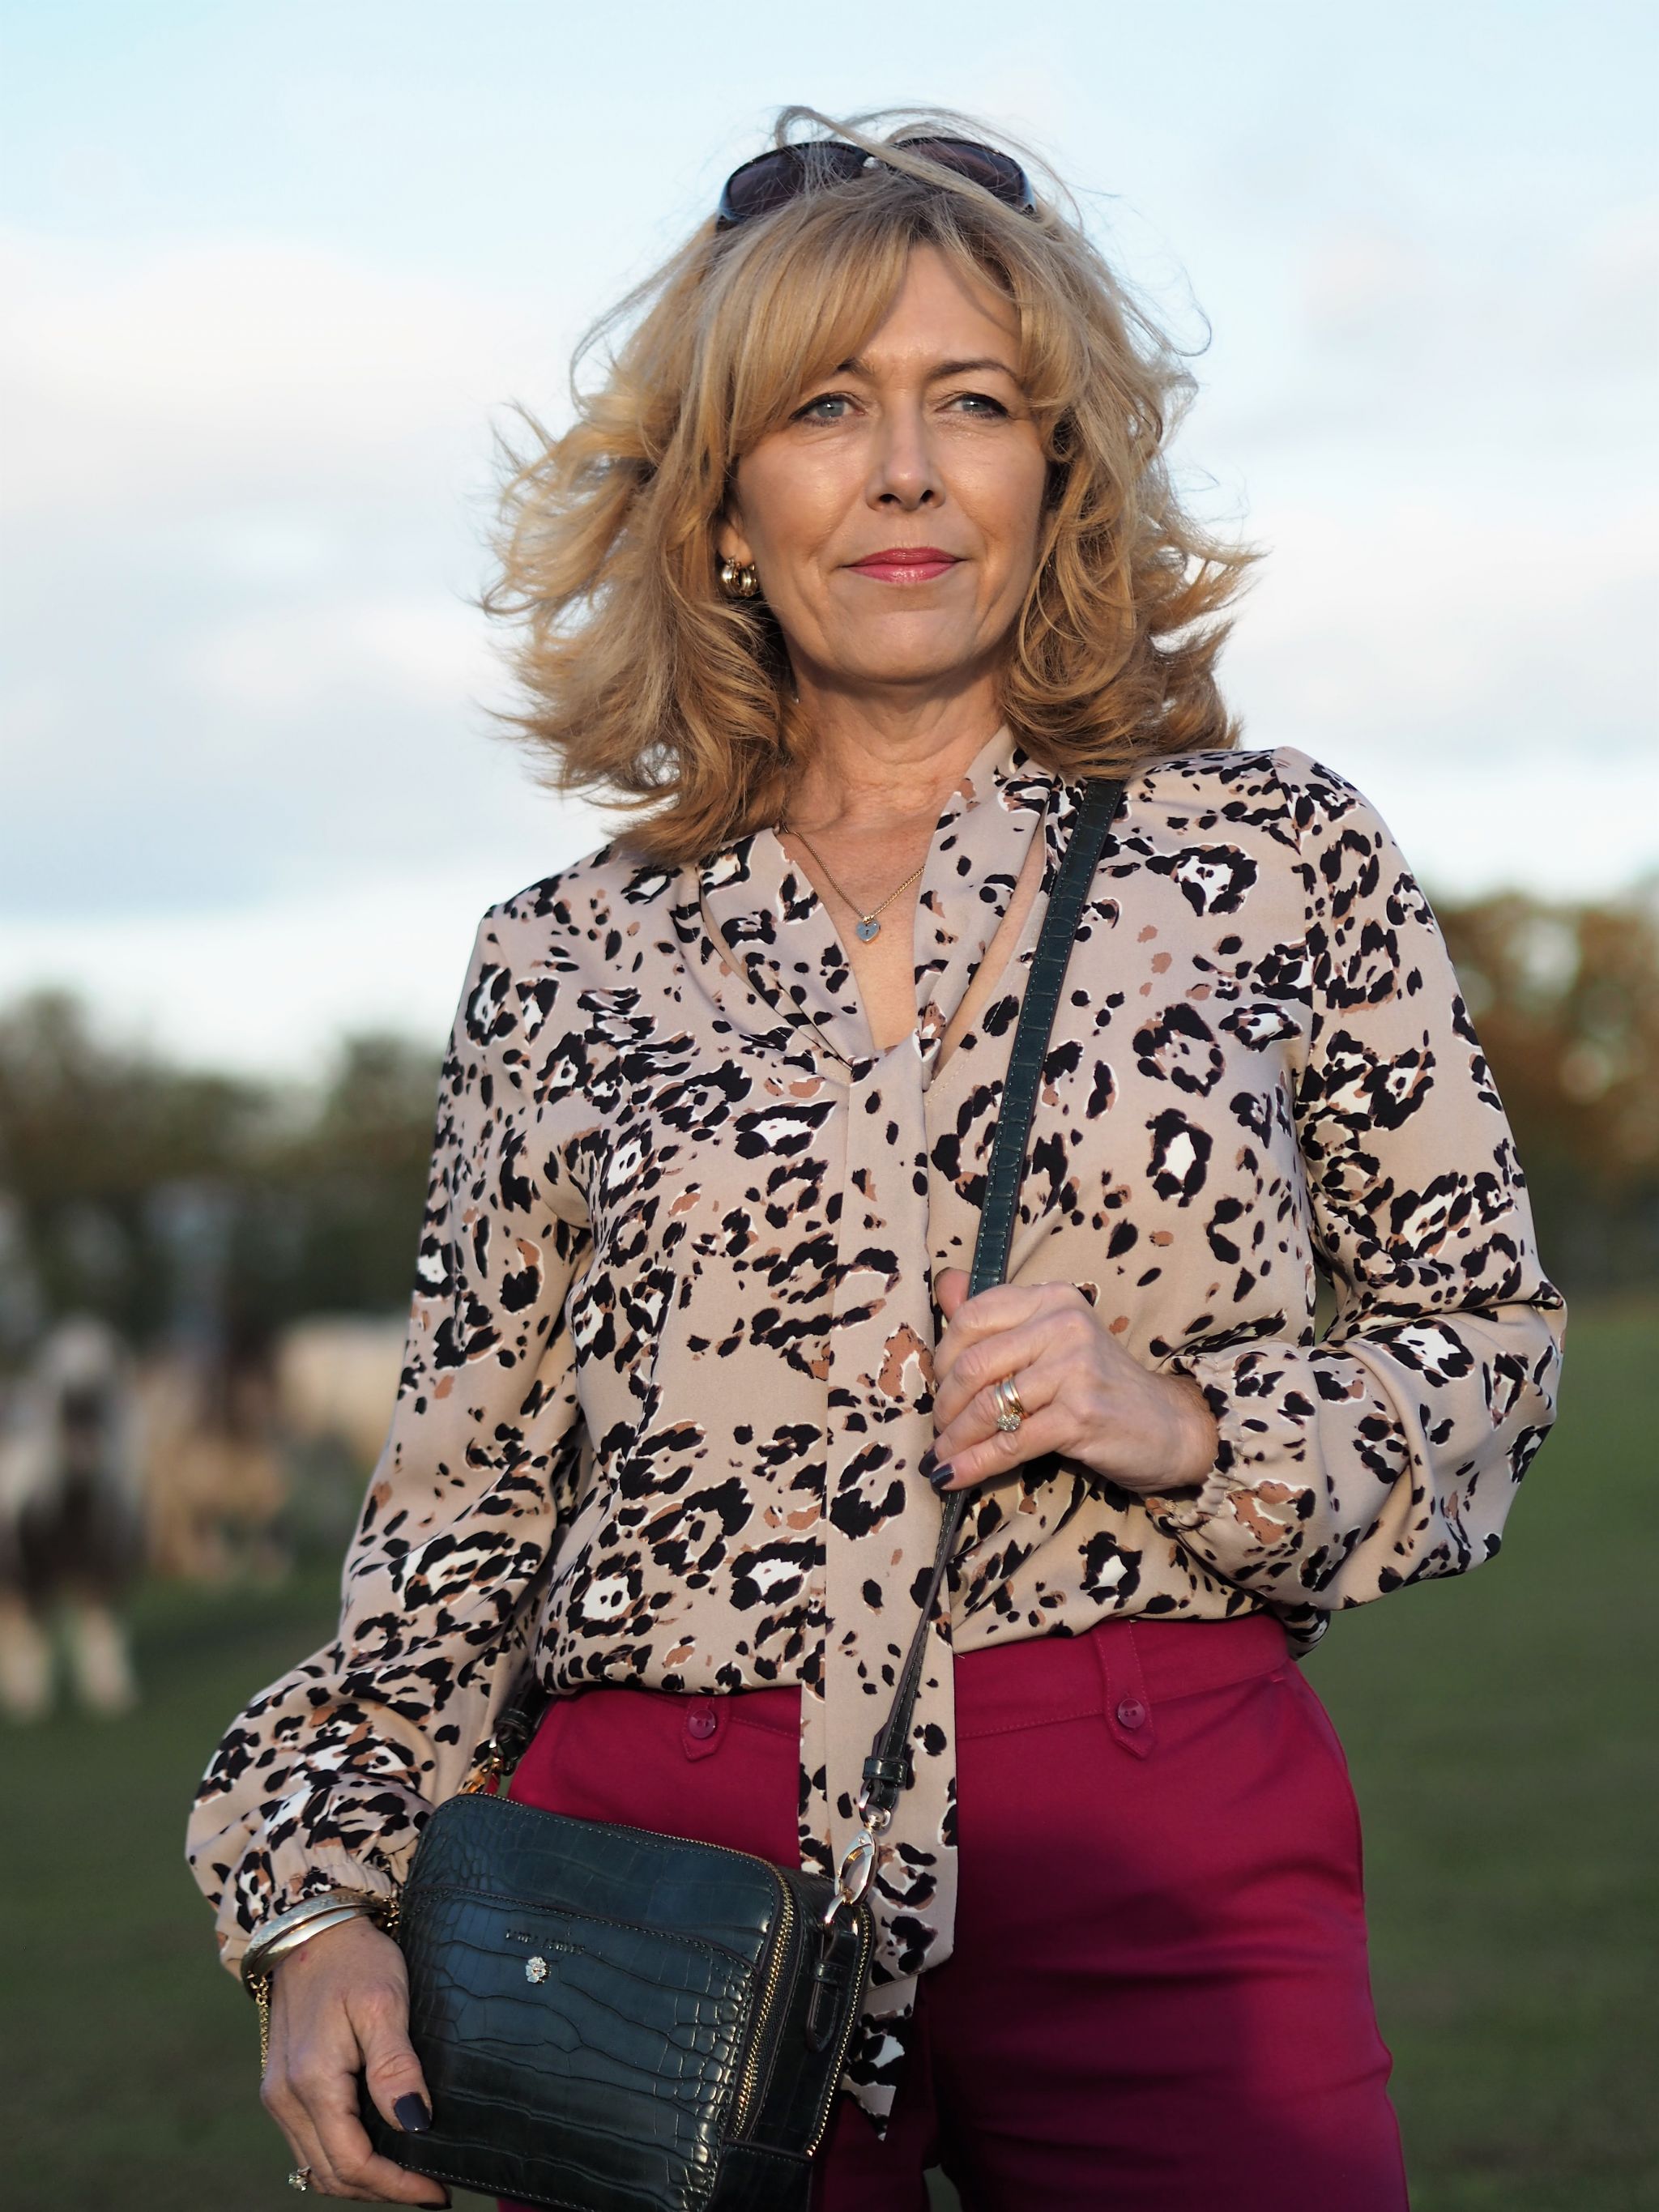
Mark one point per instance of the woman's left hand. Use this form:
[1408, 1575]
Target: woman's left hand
[1083, 1397]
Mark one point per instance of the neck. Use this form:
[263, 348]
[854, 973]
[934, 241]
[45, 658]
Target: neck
[872, 762]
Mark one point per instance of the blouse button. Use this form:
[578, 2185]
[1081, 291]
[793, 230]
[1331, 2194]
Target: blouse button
[1132, 1713]
[701, 1722]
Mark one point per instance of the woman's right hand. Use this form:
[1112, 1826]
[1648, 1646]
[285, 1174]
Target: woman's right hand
[340, 2007]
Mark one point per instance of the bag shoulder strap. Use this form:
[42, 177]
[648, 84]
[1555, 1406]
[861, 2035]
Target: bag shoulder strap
[887, 1769]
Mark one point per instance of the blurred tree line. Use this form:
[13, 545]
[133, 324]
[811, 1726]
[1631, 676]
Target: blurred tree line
[211, 1207]
[1565, 1001]
[137, 1189]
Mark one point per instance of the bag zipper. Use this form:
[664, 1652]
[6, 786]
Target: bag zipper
[865, 1928]
[782, 1944]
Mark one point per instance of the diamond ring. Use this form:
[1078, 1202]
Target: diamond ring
[1010, 1412]
[300, 2178]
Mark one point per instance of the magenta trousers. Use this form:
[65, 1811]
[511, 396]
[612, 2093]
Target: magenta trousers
[1159, 1999]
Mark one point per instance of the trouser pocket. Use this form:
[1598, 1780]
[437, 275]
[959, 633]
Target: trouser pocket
[1321, 1730]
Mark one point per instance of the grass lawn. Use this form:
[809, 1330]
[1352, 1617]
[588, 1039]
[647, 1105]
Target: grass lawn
[1500, 1732]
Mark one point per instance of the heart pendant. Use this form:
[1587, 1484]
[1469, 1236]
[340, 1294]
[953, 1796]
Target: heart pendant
[869, 928]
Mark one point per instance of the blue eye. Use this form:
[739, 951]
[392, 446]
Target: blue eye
[974, 401]
[810, 412]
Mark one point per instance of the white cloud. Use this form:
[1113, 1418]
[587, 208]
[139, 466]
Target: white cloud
[1399, 338]
[270, 987]
[1449, 627]
[267, 665]
[1487, 674]
[243, 523]
[1366, 284]
[214, 370]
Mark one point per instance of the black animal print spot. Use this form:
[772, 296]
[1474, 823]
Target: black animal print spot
[1212, 878]
[1180, 1157]
[1179, 1049]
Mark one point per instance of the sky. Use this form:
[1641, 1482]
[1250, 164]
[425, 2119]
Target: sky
[273, 271]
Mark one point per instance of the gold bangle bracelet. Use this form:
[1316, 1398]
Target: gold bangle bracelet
[270, 1942]
[270, 1954]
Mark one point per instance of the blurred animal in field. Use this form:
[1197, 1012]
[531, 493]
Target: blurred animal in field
[337, 1376]
[245, 1451]
[215, 1486]
[71, 1519]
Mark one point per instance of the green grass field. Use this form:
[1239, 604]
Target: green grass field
[1500, 1734]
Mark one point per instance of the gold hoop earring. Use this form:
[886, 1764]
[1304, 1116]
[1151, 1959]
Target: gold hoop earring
[740, 581]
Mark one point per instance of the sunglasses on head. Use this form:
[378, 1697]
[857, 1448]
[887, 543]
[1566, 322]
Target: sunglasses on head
[771, 180]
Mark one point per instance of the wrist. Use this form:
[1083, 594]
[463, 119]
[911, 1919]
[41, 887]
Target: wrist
[1197, 1438]
[325, 1942]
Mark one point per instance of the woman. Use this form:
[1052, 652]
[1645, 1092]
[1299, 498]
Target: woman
[862, 555]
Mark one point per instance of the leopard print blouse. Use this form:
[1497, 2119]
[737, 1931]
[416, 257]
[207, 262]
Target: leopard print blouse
[667, 1380]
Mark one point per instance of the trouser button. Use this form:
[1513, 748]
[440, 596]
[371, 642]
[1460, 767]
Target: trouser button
[703, 1737]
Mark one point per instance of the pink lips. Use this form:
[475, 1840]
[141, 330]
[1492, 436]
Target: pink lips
[906, 564]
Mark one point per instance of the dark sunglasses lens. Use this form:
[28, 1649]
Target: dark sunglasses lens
[998, 173]
[771, 180]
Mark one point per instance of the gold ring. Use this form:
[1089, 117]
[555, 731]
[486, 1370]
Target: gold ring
[300, 2178]
[1010, 1412]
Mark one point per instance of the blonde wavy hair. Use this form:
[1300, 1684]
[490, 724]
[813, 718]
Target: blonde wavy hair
[646, 686]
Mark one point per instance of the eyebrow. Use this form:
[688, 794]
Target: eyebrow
[945, 368]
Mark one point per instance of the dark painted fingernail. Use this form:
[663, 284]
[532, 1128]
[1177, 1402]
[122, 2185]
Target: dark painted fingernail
[940, 1475]
[412, 2115]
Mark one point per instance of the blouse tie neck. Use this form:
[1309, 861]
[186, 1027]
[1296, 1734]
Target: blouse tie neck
[763, 915]
[877, 1524]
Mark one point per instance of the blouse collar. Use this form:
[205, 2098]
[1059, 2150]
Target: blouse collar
[762, 910]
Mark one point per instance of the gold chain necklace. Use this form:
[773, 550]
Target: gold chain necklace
[869, 926]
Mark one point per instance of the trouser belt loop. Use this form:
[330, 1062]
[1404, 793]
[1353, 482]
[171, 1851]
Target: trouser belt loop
[1128, 1708]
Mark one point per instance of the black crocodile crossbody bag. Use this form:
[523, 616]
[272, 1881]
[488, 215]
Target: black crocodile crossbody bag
[614, 2021]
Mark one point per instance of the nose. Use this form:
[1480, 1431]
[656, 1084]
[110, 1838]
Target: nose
[903, 474]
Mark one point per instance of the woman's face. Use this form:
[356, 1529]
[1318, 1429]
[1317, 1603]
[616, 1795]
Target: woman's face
[894, 519]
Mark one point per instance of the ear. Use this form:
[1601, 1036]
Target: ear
[729, 541]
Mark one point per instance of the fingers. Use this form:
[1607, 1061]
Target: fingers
[1048, 1338]
[281, 2098]
[377, 2017]
[1038, 1435]
[979, 1366]
[1006, 1306]
[393, 2074]
[973, 1357]
[1145, 1432]
[968, 1320]
[311, 2090]
[391, 2069]
[332, 2104]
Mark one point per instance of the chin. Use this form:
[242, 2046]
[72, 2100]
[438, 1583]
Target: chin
[910, 661]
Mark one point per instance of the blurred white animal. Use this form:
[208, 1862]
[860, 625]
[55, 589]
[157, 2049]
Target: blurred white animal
[71, 1519]
[336, 1377]
[215, 1486]
[223, 1443]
